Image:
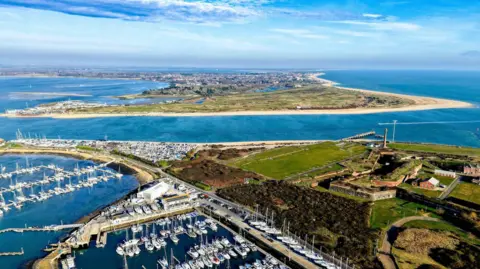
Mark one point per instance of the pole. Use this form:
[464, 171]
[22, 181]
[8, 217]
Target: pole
[394, 128]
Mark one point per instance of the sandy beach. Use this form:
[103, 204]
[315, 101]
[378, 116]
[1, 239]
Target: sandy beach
[420, 103]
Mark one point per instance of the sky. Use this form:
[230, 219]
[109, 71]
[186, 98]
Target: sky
[322, 34]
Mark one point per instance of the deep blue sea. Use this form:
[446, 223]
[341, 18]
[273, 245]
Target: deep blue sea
[66, 208]
[452, 126]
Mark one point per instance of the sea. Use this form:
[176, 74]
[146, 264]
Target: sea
[446, 126]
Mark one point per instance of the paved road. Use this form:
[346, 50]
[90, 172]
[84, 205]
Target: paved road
[450, 188]
[385, 252]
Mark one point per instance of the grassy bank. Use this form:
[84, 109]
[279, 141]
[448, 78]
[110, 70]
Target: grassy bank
[467, 192]
[431, 148]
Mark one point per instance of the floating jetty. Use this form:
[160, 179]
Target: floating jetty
[51, 228]
[20, 253]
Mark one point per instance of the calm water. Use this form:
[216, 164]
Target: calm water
[455, 85]
[67, 207]
[107, 258]
[15, 92]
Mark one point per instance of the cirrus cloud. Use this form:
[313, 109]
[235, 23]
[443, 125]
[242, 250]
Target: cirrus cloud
[196, 11]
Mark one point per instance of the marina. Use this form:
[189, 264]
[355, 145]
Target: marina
[58, 182]
[30, 227]
[154, 246]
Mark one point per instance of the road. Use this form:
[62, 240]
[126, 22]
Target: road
[450, 188]
[385, 252]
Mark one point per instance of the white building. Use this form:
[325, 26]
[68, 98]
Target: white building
[445, 173]
[177, 201]
[156, 191]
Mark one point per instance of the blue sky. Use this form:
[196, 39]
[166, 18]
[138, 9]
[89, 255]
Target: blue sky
[242, 33]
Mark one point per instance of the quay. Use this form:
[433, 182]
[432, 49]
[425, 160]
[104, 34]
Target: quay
[358, 136]
[98, 229]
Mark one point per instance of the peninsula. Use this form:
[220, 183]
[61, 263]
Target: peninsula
[231, 94]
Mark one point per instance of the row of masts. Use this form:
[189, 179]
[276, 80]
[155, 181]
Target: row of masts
[87, 177]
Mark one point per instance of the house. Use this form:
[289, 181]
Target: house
[472, 170]
[2, 142]
[444, 173]
[430, 184]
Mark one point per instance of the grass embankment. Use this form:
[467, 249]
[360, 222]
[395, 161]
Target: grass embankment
[315, 97]
[425, 192]
[386, 212]
[467, 191]
[283, 162]
[431, 148]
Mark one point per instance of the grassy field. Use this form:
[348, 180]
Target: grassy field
[318, 97]
[428, 193]
[385, 212]
[468, 192]
[283, 162]
[437, 149]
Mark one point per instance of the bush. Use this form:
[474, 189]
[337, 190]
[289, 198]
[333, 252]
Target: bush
[203, 186]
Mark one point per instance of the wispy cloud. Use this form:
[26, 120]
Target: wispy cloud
[196, 11]
[382, 25]
[299, 33]
[373, 16]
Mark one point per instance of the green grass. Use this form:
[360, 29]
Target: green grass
[203, 186]
[331, 168]
[313, 96]
[467, 192]
[386, 212]
[442, 226]
[12, 145]
[428, 193]
[437, 149]
[87, 148]
[283, 162]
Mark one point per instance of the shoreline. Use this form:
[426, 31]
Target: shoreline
[421, 103]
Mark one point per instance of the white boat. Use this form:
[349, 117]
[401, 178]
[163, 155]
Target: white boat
[163, 263]
[207, 262]
[232, 253]
[192, 253]
[120, 250]
[225, 242]
[149, 246]
[174, 238]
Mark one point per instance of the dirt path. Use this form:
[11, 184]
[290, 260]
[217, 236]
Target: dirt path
[450, 188]
[385, 252]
